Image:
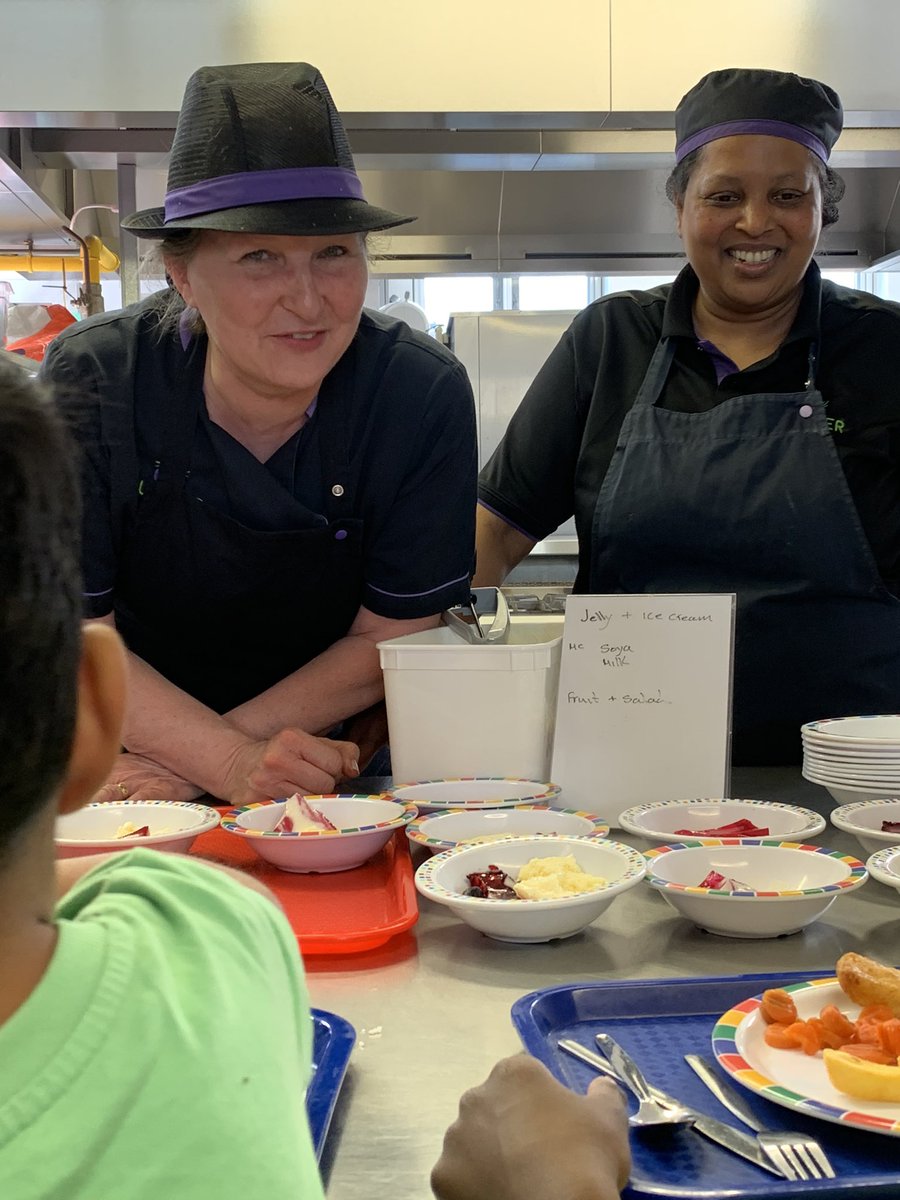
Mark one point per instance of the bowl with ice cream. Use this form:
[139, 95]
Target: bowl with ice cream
[319, 834]
[123, 824]
[532, 888]
[751, 889]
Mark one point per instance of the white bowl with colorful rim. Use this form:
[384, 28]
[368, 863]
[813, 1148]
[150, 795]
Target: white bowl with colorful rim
[884, 865]
[865, 819]
[437, 795]
[769, 888]
[881, 730]
[444, 879]
[788, 1077]
[98, 828]
[363, 824]
[444, 830]
[662, 820]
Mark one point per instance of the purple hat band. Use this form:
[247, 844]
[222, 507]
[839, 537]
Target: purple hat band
[262, 187]
[782, 129]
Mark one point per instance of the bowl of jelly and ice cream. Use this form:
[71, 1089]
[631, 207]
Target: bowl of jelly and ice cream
[122, 824]
[532, 888]
[752, 889]
[319, 834]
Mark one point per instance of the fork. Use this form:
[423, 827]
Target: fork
[795, 1152]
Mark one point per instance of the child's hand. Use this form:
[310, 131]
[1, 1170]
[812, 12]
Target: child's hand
[523, 1134]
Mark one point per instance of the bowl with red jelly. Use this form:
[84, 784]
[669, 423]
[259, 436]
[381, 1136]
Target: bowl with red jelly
[874, 823]
[751, 889]
[668, 820]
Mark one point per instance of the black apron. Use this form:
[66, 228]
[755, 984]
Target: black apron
[221, 610]
[750, 497]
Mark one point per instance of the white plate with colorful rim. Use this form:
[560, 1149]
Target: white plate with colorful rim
[488, 791]
[659, 820]
[790, 1077]
[884, 865]
[445, 830]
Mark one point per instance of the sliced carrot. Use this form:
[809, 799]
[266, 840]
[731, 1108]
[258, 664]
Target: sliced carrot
[778, 1037]
[836, 1022]
[876, 1012]
[777, 1007]
[867, 1033]
[826, 1037]
[889, 1034]
[805, 1035]
[870, 1053]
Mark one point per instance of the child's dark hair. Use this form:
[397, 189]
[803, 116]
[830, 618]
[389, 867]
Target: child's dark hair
[40, 599]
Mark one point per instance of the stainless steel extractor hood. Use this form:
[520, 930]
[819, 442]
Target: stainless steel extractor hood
[504, 192]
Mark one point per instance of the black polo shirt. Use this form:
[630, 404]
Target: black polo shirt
[557, 449]
[410, 440]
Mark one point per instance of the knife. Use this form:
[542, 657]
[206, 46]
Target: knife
[714, 1130]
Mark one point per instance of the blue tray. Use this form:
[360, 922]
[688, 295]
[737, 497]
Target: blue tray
[333, 1039]
[659, 1021]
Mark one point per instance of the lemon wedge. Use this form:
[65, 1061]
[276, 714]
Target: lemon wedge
[860, 1079]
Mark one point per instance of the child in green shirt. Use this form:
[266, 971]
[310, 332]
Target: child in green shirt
[155, 1036]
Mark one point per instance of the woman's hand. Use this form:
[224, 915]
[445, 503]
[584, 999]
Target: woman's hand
[291, 761]
[137, 777]
[523, 1134]
[369, 731]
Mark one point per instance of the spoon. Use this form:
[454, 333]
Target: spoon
[649, 1113]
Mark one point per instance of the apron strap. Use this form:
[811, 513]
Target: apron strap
[656, 374]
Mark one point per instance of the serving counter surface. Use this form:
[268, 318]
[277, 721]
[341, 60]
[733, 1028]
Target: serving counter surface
[431, 1007]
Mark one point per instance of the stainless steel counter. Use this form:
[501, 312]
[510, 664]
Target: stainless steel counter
[431, 1008]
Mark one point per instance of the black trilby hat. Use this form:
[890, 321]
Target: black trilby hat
[260, 148]
[741, 100]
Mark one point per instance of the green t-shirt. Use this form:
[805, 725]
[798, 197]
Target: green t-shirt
[164, 1054]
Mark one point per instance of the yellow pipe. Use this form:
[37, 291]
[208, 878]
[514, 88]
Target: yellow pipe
[100, 258]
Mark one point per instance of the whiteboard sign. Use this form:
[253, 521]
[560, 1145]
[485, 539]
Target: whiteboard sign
[644, 705]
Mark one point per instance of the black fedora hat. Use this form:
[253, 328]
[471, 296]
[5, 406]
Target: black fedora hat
[260, 148]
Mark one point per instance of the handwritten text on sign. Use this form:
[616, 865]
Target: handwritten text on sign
[644, 700]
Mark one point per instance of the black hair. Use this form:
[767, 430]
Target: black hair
[831, 183]
[40, 599]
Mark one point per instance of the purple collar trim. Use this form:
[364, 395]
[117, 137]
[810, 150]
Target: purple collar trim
[782, 129]
[262, 187]
[724, 366]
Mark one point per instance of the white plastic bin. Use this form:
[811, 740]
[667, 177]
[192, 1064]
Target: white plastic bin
[457, 709]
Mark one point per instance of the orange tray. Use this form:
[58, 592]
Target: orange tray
[342, 913]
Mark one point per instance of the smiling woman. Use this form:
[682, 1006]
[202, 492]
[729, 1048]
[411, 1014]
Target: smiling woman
[735, 431]
[274, 479]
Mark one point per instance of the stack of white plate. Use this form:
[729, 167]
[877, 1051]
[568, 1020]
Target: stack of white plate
[855, 758]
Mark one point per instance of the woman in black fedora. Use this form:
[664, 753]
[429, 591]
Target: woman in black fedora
[737, 430]
[274, 479]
